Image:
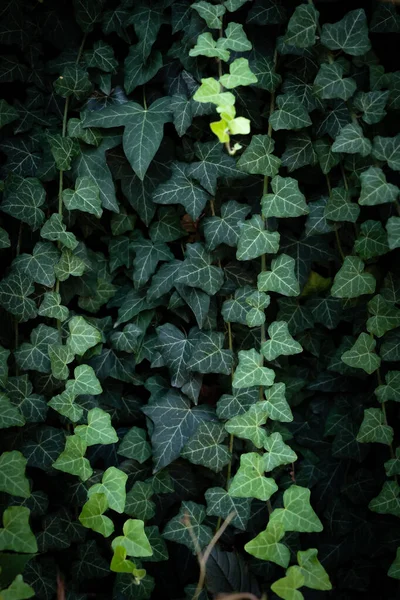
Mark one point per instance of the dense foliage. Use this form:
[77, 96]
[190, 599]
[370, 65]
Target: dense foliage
[199, 323]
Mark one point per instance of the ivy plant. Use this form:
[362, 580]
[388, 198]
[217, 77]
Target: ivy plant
[200, 321]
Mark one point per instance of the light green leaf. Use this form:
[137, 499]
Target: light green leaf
[266, 546]
[258, 158]
[259, 301]
[302, 26]
[290, 113]
[387, 149]
[85, 198]
[350, 34]
[208, 355]
[287, 587]
[297, 514]
[248, 425]
[98, 430]
[16, 534]
[362, 354]
[55, 231]
[135, 445]
[210, 91]
[277, 405]
[329, 82]
[13, 480]
[134, 539]
[281, 343]
[351, 140]
[278, 453]
[255, 240]
[388, 500]
[239, 74]
[250, 371]
[286, 199]
[315, 576]
[390, 391]
[85, 382]
[235, 37]
[374, 428]
[82, 335]
[385, 316]
[17, 590]
[249, 481]
[72, 459]
[92, 515]
[60, 356]
[375, 189]
[205, 447]
[64, 404]
[113, 487]
[210, 13]
[226, 228]
[120, 564]
[69, 265]
[281, 278]
[51, 307]
[351, 281]
[10, 416]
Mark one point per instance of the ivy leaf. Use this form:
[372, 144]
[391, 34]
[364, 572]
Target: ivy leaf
[85, 198]
[374, 428]
[250, 371]
[388, 500]
[85, 382]
[258, 158]
[329, 82]
[10, 416]
[277, 405]
[17, 590]
[340, 207]
[226, 228]
[266, 546]
[16, 534]
[112, 486]
[175, 421]
[326, 158]
[280, 342]
[205, 447]
[69, 265]
[372, 104]
[221, 504]
[23, 199]
[287, 587]
[281, 278]
[351, 281]
[176, 350]
[302, 26]
[63, 149]
[181, 189]
[394, 569]
[34, 355]
[375, 189]
[299, 152]
[163, 281]
[297, 514]
[239, 402]
[315, 576]
[138, 503]
[143, 129]
[286, 200]
[385, 316]
[259, 301]
[235, 37]
[13, 480]
[55, 231]
[239, 74]
[208, 355]
[350, 34]
[351, 140]
[249, 480]
[98, 430]
[147, 257]
[210, 13]
[167, 228]
[92, 515]
[248, 425]
[39, 266]
[361, 355]
[82, 335]
[290, 113]
[372, 240]
[51, 307]
[15, 290]
[390, 391]
[263, 68]
[8, 113]
[393, 229]
[189, 519]
[255, 241]
[101, 57]
[74, 81]
[72, 460]
[134, 540]
[388, 150]
[64, 404]
[207, 46]
[212, 163]
[120, 564]
[278, 453]
[135, 445]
